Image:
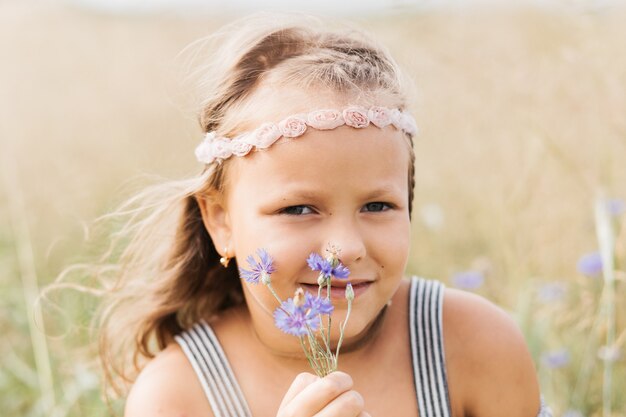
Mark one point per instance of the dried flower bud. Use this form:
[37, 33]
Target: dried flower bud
[298, 298]
[321, 280]
[349, 292]
[333, 255]
[266, 278]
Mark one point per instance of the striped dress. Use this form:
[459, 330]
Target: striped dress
[204, 352]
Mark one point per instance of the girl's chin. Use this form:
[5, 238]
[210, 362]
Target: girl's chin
[361, 330]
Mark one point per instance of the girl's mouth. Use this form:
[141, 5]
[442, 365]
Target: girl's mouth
[338, 290]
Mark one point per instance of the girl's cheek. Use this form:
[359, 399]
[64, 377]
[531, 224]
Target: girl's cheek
[291, 235]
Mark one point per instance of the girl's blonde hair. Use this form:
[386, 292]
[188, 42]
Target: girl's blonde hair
[167, 275]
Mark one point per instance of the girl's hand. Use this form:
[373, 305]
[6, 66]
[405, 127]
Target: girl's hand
[330, 396]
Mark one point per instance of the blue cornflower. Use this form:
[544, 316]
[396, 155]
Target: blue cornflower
[259, 270]
[317, 263]
[552, 291]
[296, 319]
[590, 264]
[468, 280]
[319, 304]
[616, 207]
[555, 359]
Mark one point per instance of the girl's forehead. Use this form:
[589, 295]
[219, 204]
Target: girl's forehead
[342, 157]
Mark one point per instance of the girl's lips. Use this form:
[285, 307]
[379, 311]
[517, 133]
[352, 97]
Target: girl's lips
[338, 291]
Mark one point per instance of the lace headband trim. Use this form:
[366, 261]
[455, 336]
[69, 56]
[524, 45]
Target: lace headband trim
[218, 148]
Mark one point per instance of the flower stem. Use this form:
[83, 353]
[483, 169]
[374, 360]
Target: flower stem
[329, 317]
[269, 286]
[17, 215]
[306, 352]
[324, 335]
[606, 241]
[342, 328]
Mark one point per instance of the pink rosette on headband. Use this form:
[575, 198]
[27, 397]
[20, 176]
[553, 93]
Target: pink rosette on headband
[325, 119]
[220, 148]
[292, 126]
[264, 136]
[240, 147]
[379, 116]
[356, 116]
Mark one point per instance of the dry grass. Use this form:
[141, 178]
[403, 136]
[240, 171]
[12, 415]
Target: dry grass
[522, 121]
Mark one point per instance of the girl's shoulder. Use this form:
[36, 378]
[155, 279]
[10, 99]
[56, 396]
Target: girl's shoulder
[490, 369]
[167, 386]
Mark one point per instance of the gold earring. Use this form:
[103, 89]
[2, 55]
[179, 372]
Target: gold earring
[224, 260]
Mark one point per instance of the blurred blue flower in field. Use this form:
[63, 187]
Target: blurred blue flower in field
[590, 264]
[468, 280]
[552, 291]
[616, 207]
[555, 359]
[573, 413]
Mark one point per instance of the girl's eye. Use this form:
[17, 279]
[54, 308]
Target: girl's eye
[376, 206]
[296, 210]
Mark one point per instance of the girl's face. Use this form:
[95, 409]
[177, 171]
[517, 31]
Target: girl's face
[345, 187]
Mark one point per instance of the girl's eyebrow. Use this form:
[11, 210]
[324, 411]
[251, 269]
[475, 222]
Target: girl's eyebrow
[295, 193]
[382, 192]
[303, 194]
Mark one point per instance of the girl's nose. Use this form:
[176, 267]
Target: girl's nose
[349, 241]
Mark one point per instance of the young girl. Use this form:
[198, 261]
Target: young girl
[308, 146]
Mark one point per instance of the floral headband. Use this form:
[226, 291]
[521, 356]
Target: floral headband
[218, 148]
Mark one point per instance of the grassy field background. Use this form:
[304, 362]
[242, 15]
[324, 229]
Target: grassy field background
[523, 128]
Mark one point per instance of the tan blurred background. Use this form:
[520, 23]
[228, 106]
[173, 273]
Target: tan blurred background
[522, 112]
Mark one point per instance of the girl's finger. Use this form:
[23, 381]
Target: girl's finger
[314, 397]
[348, 404]
[301, 381]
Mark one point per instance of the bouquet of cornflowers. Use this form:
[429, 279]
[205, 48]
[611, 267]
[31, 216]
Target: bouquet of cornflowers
[307, 316]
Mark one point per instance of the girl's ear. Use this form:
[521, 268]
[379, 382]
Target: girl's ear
[216, 221]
